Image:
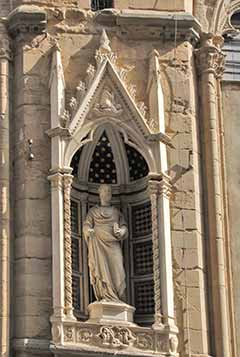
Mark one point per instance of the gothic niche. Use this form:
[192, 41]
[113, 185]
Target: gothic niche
[110, 159]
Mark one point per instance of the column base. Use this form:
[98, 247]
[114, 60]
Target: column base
[110, 312]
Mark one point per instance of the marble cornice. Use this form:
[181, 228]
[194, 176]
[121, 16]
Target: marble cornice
[152, 24]
[27, 19]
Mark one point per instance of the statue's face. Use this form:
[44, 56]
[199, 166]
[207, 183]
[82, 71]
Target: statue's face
[105, 193]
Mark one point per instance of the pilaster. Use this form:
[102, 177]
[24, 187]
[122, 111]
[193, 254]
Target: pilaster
[57, 244]
[210, 65]
[160, 190]
[5, 57]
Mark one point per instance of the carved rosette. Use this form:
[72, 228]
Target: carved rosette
[210, 58]
[69, 334]
[67, 182]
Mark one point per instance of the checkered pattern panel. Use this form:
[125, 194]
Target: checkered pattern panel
[138, 167]
[75, 162]
[76, 292]
[102, 167]
[143, 258]
[144, 297]
[142, 220]
[74, 217]
[75, 254]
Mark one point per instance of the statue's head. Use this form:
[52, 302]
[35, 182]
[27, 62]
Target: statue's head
[105, 193]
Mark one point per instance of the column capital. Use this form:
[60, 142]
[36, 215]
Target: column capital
[209, 57]
[56, 180]
[67, 180]
[160, 184]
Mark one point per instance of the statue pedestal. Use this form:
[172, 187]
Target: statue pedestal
[110, 312]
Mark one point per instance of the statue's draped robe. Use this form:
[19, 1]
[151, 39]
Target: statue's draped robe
[104, 253]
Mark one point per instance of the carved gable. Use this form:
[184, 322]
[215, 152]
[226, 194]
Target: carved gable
[106, 94]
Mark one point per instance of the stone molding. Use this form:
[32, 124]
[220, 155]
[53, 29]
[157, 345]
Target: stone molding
[27, 19]
[209, 57]
[37, 346]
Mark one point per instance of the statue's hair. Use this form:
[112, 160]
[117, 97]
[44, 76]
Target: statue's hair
[104, 185]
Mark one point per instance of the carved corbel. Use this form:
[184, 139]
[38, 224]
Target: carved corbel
[5, 50]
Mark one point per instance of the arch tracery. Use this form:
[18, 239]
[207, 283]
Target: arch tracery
[221, 22]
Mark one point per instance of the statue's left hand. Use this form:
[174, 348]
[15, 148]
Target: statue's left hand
[118, 232]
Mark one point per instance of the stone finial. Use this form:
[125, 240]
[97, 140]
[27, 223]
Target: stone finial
[104, 42]
[104, 50]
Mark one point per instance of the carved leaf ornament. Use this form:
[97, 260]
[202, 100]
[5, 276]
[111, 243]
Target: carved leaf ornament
[116, 336]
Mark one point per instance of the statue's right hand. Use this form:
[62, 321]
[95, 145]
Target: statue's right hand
[91, 233]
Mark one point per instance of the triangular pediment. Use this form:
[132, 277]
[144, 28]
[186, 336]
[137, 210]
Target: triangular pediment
[106, 94]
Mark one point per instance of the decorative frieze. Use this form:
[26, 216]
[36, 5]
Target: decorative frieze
[144, 342]
[84, 335]
[130, 339]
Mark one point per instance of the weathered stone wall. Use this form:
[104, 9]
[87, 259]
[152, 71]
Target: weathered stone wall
[189, 261]
[232, 147]
[32, 268]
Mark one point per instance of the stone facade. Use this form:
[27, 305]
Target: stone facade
[163, 62]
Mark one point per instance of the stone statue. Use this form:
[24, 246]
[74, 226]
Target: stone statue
[104, 229]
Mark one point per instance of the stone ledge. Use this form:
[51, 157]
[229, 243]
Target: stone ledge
[94, 352]
[37, 346]
[158, 23]
[27, 19]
